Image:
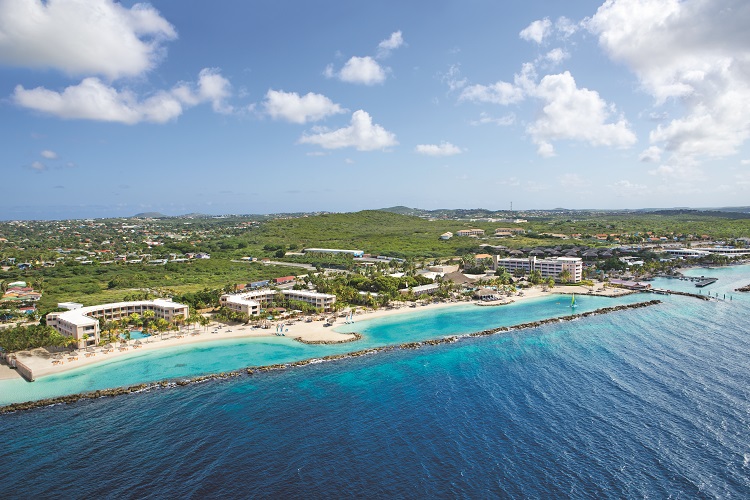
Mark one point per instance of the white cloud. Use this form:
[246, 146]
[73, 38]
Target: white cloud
[212, 87]
[569, 112]
[362, 70]
[576, 113]
[291, 107]
[49, 155]
[625, 188]
[442, 149]
[545, 149]
[503, 121]
[361, 134]
[452, 78]
[697, 52]
[651, 155]
[497, 93]
[565, 27]
[94, 100]
[556, 56]
[385, 47]
[38, 166]
[537, 31]
[82, 37]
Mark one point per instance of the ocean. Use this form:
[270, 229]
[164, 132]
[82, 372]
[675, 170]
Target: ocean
[651, 402]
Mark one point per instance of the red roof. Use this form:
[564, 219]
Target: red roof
[284, 279]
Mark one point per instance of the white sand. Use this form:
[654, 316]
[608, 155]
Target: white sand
[42, 365]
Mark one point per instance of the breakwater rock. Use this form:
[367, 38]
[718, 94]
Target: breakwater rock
[688, 294]
[356, 337]
[165, 384]
[745, 288]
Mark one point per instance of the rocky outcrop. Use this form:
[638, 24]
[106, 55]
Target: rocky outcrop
[283, 366]
[743, 289]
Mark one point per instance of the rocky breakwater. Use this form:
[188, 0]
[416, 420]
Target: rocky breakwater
[356, 337]
[745, 288]
[333, 357]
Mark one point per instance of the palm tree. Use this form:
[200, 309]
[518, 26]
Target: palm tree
[204, 321]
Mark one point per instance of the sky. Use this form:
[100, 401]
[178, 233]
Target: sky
[116, 108]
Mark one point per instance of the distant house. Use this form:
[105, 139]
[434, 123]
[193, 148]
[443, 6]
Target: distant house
[446, 236]
[284, 279]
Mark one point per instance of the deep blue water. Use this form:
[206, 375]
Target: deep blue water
[645, 403]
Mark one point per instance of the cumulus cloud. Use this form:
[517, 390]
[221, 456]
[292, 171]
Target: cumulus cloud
[366, 70]
[571, 112]
[568, 112]
[361, 70]
[211, 87]
[82, 37]
[497, 93]
[361, 134]
[442, 149]
[391, 43]
[291, 107]
[38, 166]
[49, 155]
[696, 52]
[652, 154]
[94, 100]
[536, 31]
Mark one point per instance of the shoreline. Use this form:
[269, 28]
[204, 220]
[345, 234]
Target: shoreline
[39, 361]
[249, 371]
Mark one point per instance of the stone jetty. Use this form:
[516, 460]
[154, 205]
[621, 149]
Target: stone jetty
[745, 288]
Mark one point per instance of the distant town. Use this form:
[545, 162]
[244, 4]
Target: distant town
[93, 280]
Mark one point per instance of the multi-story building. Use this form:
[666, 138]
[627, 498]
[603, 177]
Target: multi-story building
[470, 232]
[84, 321]
[251, 303]
[550, 267]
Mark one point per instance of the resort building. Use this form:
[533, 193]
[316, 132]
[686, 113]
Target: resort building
[84, 321]
[728, 251]
[470, 232]
[446, 235]
[251, 303]
[550, 267]
[686, 252]
[354, 253]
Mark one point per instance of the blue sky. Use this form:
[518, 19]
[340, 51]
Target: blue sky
[257, 107]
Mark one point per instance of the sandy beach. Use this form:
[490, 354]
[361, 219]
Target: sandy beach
[42, 363]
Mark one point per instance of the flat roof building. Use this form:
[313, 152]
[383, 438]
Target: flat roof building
[251, 303]
[470, 232]
[550, 267]
[355, 253]
[82, 321]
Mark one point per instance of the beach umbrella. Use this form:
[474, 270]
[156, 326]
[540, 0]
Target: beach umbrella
[90, 349]
[58, 355]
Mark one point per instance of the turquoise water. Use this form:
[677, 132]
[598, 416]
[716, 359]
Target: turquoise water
[222, 355]
[137, 334]
[647, 403]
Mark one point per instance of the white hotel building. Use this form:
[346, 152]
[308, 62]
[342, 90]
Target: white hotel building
[550, 267]
[80, 321]
[251, 303]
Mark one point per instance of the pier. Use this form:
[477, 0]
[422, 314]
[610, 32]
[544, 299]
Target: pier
[706, 282]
